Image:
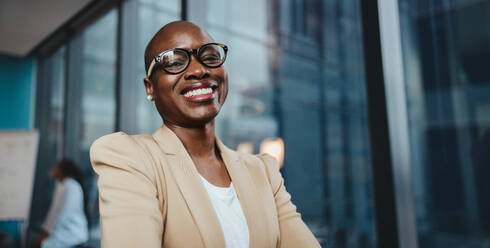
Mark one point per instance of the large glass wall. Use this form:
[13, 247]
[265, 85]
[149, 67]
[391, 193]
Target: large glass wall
[296, 73]
[141, 19]
[76, 103]
[91, 97]
[151, 15]
[446, 57]
[50, 99]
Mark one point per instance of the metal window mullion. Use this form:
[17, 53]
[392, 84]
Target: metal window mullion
[388, 124]
[128, 89]
[384, 199]
[117, 84]
[184, 11]
[397, 109]
[73, 98]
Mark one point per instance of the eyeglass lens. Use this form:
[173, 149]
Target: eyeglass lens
[175, 61]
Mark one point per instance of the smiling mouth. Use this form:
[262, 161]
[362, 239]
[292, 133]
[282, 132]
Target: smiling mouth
[200, 92]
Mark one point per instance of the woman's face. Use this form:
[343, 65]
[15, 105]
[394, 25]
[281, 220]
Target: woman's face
[56, 172]
[169, 90]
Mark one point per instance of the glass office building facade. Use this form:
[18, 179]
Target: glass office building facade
[297, 72]
[446, 60]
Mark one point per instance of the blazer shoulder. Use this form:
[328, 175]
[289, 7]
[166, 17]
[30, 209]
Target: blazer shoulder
[262, 160]
[120, 139]
[270, 162]
[146, 142]
[250, 159]
[114, 141]
[120, 150]
[271, 167]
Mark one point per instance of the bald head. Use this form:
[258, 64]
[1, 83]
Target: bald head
[166, 34]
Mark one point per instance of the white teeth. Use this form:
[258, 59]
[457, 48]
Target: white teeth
[198, 92]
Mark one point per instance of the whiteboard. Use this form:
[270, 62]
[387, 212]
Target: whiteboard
[18, 152]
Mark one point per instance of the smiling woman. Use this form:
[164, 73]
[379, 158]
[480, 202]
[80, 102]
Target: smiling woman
[181, 186]
[182, 73]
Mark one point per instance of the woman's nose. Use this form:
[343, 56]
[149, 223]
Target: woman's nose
[195, 70]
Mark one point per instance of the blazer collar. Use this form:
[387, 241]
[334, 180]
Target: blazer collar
[252, 205]
[167, 140]
[171, 144]
[196, 196]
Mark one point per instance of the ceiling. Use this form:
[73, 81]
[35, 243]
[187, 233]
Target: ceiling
[26, 23]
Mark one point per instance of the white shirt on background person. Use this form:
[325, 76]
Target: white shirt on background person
[66, 222]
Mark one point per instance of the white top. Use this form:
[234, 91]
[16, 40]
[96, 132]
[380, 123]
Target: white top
[230, 214]
[66, 222]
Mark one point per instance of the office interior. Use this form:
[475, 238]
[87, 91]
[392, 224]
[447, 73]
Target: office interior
[390, 100]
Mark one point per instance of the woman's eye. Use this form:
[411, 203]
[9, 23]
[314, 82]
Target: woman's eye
[210, 58]
[173, 64]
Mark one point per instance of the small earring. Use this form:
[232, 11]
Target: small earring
[149, 98]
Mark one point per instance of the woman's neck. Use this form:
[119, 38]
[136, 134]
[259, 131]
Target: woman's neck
[61, 178]
[199, 142]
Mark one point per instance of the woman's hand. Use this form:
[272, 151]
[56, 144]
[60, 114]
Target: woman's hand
[42, 236]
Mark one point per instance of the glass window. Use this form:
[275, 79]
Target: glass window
[98, 104]
[49, 121]
[282, 88]
[151, 18]
[98, 95]
[91, 105]
[141, 20]
[445, 49]
[171, 7]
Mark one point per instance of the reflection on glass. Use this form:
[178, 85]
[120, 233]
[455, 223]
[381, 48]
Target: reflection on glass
[98, 79]
[273, 147]
[57, 72]
[97, 99]
[152, 15]
[166, 7]
[49, 121]
[245, 147]
[280, 86]
[445, 49]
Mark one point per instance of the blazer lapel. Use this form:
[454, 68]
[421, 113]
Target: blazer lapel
[191, 187]
[249, 199]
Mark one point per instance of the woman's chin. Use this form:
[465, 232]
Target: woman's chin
[203, 119]
[198, 116]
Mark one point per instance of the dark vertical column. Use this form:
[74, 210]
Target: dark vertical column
[274, 60]
[320, 36]
[118, 84]
[73, 95]
[381, 160]
[41, 192]
[127, 85]
[184, 11]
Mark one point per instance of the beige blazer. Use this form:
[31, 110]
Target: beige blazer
[150, 195]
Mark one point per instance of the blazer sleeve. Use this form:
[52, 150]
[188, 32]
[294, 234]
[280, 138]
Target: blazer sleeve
[294, 232]
[130, 213]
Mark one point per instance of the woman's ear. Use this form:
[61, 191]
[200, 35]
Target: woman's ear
[148, 86]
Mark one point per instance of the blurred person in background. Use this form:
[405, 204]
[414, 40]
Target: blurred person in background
[66, 224]
[182, 187]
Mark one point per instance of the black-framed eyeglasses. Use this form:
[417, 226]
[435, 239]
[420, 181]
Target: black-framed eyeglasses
[176, 60]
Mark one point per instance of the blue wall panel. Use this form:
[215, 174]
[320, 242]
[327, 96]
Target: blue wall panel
[16, 75]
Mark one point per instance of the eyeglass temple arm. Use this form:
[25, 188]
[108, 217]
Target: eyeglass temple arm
[150, 69]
